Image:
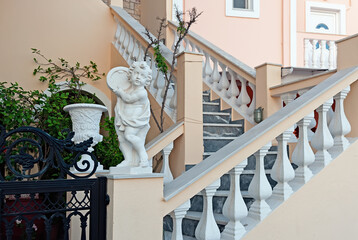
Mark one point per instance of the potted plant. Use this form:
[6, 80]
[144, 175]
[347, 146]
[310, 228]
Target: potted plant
[85, 114]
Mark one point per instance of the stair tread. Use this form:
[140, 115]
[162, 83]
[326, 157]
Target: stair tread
[216, 113]
[222, 124]
[211, 103]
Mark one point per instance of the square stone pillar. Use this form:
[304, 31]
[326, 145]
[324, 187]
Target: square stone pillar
[267, 76]
[135, 208]
[189, 148]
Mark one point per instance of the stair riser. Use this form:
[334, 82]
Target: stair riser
[216, 131]
[211, 108]
[213, 145]
[216, 118]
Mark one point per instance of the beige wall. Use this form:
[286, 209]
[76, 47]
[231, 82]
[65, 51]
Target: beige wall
[326, 208]
[348, 57]
[80, 30]
[150, 10]
[267, 39]
[252, 41]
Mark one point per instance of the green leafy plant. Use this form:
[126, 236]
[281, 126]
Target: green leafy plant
[51, 72]
[107, 151]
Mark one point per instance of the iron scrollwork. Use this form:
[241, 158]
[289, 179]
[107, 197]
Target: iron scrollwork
[26, 147]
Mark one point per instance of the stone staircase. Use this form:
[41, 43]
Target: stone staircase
[218, 131]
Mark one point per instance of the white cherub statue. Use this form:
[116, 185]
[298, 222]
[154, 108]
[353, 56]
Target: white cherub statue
[132, 114]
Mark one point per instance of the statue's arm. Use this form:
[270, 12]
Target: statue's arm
[131, 98]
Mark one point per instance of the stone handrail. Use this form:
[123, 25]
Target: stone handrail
[300, 84]
[240, 94]
[164, 139]
[207, 172]
[131, 42]
[164, 143]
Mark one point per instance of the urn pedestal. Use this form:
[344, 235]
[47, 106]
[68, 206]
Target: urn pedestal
[85, 124]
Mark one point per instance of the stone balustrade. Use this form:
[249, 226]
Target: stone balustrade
[328, 140]
[320, 54]
[131, 43]
[230, 79]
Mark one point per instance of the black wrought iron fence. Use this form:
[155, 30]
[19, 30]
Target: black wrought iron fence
[32, 208]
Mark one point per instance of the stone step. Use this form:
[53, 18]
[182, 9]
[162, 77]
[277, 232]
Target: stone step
[223, 129]
[213, 144]
[216, 117]
[211, 107]
[206, 97]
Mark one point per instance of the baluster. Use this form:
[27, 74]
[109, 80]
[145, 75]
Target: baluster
[207, 228]
[235, 208]
[223, 82]
[175, 38]
[282, 171]
[162, 93]
[307, 53]
[168, 176]
[323, 51]
[141, 52]
[339, 125]
[303, 155]
[252, 106]
[335, 56]
[215, 74]
[322, 139]
[314, 54]
[312, 124]
[233, 90]
[332, 56]
[186, 41]
[116, 35]
[330, 114]
[193, 47]
[243, 98]
[161, 82]
[136, 51]
[177, 215]
[207, 69]
[173, 100]
[130, 48]
[260, 188]
[120, 37]
[288, 98]
[123, 38]
[125, 45]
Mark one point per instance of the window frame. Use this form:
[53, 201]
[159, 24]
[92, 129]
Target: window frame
[339, 9]
[253, 10]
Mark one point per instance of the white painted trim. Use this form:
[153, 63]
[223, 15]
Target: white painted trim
[237, 12]
[339, 8]
[293, 33]
[90, 89]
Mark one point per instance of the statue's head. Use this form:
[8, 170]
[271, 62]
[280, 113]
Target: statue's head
[140, 74]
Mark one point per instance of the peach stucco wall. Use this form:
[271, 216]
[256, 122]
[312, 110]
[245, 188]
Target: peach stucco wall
[80, 30]
[266, 39]
[253, 41]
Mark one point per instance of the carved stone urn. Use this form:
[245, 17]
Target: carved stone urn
[85, 124]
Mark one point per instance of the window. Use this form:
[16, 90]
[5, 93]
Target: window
[241, 4]
[325, 18]
[243, 8]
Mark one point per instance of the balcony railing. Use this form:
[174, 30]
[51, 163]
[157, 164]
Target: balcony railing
[320, 54]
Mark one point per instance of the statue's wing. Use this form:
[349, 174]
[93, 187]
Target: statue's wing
[118, 78]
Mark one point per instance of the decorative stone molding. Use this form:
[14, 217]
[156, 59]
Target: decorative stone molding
[85, 124]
